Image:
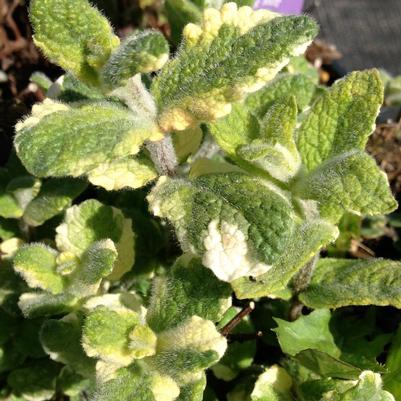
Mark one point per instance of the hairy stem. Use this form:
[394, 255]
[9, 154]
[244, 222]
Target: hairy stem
[300, 283]
[163, 155]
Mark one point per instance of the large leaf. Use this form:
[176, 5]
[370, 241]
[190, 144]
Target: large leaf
[350, 182]
[342, 282]
[342, 119]
[73, 34]
[233, 52]
[179, 296]
[214, 218]
[308, 332]
[92, 221]
[75, 141]
[142, 52]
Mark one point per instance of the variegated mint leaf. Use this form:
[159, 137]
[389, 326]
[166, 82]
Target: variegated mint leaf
[74, 35]
[92, 221]
[186, 350]
[75, 141]
[96, 263]
[341, 119]
[178, 296]
[55, 195]
[232, 53]
[142, 52]
[273, 385]
[275, 150]
[350, 182]
[193, 391]
[128, 172]
[214, 219]
[117, 336]
[135, 382]
[306, 241]
[36, 263]
[341, 282]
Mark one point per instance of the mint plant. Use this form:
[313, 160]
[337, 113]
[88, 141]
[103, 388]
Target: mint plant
[252, 164]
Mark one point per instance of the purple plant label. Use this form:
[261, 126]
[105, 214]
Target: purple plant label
[281, 6]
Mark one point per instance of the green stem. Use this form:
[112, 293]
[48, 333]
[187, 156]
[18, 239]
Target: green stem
[163, 155]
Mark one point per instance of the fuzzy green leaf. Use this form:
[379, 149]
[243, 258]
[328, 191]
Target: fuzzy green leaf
[117, 336]
[342, 119]
[306, 241]
[308, 332]
[128, 172]
[350, 182]
[92, 221]
[74, 35]
[233, 52]
[193, 391]
[96, 263]
[273, 385]
[74, 141]
[275, 150]
[341, 282]
[61, 339]
[142, 52]
[285, 85]
[55, 195]
[233, 241]
[179, 296]
[136, 383]
[368, 387]
[33, 304]
[36, 263]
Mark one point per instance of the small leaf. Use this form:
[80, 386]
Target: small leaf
[275, 150]
[141, 52]
[61, 339]
[285, 85]
[129, 172]
[106, 336]
[186, 350]
[368, 387]
[33, 304]
[178, 295]
[341, 282]
[54, 196]
[95, 264]
[134, 382]
[342, 119]
[233, 241]
[243, 49]
[305, 242]
[37, 265]
[187, 142]
[193, 391]
[273, 385]
[74, 35]
[92, 221]
[350, 182]
[77, 140]
[36, 382]
[9, 228]
[308, 332]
